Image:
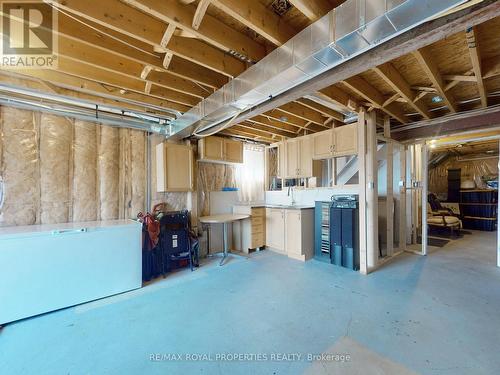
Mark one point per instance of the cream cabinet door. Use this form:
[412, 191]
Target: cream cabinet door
[346, 140]
[174, 167]
[305, 156]
[293, 229]
[277, 227]
[213, 148]
[233, 151]
[292, 158]
[323, 144]
[281, 160]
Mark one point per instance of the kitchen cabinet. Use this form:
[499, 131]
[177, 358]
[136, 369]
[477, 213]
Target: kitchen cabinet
[281, 159]
[253, 232]
[222, 150]
[298, 157]
[299, 234]
[174, 167]
[341, 141]
[323, 144]
[346, 140]
[233, 151]
[275, 229]
[290, 232]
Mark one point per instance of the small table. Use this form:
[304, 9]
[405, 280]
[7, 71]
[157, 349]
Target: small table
[223, 219]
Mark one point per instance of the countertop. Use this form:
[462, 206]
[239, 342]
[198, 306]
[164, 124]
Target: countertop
[268, 205]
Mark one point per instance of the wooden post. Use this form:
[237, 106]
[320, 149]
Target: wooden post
[363, 265]
[424, 168]
[498, 210]
[390, 188]
[402, 200]
[371, 191]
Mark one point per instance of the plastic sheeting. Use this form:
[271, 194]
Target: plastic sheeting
[19, 167]
[109, 172]
[213, 177]
[85, 172]
[470, 170]
[55, 151]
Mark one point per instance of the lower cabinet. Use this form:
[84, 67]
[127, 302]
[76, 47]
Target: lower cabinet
[252, 233]
[291, 232]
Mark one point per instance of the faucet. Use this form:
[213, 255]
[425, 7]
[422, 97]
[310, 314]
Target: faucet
[290, 191]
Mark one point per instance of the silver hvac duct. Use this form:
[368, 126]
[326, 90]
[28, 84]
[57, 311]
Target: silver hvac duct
[354, 27]
[61, 105]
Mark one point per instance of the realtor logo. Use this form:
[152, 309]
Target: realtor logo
[29, 38]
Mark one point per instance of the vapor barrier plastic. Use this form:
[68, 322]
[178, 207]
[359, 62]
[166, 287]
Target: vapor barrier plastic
[109, 172]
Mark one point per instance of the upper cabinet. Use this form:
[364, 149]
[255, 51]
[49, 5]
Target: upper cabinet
[174, 167]
[346, 140]
[298, 157]
[222, 150]
[341, 141]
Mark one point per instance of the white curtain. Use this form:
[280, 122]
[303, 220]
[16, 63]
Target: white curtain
[250, 174]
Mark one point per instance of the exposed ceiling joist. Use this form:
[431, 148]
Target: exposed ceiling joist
[325, 111]
[257, 17]
[122, 81]
[271, 131]
[397, 82]
[273, 124]
[135, 24]
[303, 112]
[475, 56]
[418, 37]
[212, 30]
[430, 68]
[313, 9]
[370, 93]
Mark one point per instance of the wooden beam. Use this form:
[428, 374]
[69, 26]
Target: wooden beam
[314, 9]
[339, 97]
[121, 45]
[257, 134]
[259, 18]
[430, 68]
[303, 112]
[325, 111]
[200, 13]
[94, 73]
[81, 52]
[135, 24]
[491, 67]
[390, 75]
[273, 124]
[370, 93]
[478, 119]
[212, 30]
[293, 118]
[460, 78]
[475, 56]
[272, 131]
[418, 37]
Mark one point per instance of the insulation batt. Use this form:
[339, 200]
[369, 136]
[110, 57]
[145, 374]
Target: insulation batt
[109, 172]
[55, 149]
[85, 172]
[19, 167]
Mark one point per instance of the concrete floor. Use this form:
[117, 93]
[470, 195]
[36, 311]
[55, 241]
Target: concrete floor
[430, 315]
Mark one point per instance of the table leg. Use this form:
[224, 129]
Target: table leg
[224, 234]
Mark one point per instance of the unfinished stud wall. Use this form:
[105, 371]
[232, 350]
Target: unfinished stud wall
[55, 169]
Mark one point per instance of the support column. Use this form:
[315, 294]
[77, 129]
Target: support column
[402, 199]
[498, 229]
[424, 168]
[371, 191]
[390, 187]
[363, 266]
